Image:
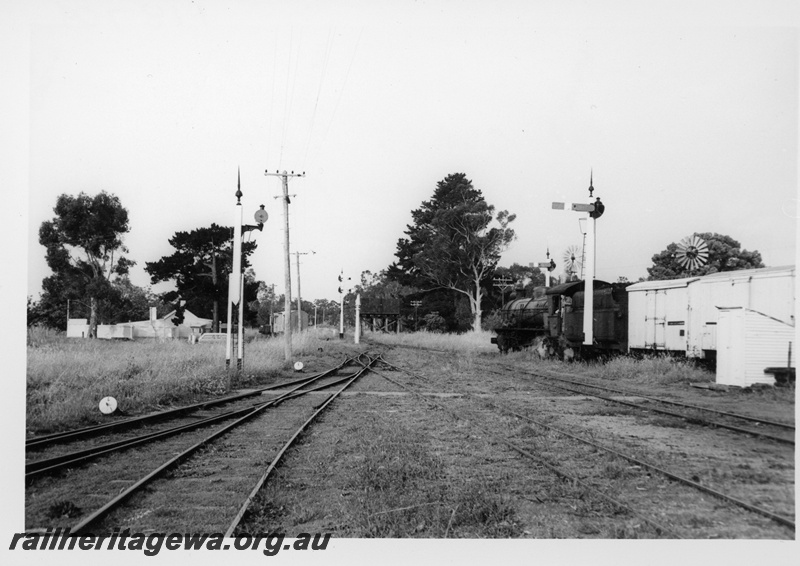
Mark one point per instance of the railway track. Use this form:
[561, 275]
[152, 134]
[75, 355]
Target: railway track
[781, 432]
[549, 377]
[43, 441]
[695, 414]
[189, 418]
[195, 450]
[639, 463]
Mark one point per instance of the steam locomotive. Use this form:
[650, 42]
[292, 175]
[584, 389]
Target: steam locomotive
[683, 317]
[552, 321]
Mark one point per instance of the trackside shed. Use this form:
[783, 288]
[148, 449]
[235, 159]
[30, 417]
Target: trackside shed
[748, 342]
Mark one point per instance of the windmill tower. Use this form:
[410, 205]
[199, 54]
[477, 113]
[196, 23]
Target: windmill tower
[573, 262]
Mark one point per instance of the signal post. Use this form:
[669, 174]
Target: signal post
[548, 266]
[595, 211]
[236, 280]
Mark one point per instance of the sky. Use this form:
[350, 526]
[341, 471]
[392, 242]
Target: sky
[685, 126]
[684, 113]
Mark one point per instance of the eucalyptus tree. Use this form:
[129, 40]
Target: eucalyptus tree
[722, 253]
[454, 244]
[84, 250]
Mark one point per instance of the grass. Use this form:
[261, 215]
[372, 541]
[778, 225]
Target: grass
[665, 370]
[648, 370]
[387, 482]
[657, 369]
[67, 378]
[469, 342]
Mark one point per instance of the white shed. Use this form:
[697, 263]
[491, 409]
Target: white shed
[77, 327]
[748, 342]
[164, 327]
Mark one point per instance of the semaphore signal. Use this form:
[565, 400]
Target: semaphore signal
[595, 210]
[236, 280]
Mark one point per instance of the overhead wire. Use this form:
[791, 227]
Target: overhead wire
[342, 89]
[286, 97]
[294, 85]
[326, 59]
[272, 97]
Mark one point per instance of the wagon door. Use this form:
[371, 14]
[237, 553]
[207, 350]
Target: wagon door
[656, 319]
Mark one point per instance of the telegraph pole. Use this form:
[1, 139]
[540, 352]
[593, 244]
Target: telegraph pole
[287, 303]
[299, 307]
[502, 283]
[416, 305]
[357, 337]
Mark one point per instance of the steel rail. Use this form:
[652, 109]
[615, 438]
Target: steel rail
[41, 441]
[40, 467]
[728, 498]
[650, 398]
[785, 521]
[48, 465]
[660, 529]
[690, 419]
[83, 524]
[630, 393]
[275, 461]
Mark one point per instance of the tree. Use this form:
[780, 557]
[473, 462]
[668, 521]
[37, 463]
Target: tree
[377, 287]
[455, 243]
[523, 279]
[82, 241]
[724, 254]
[199, 266]
[327, 312]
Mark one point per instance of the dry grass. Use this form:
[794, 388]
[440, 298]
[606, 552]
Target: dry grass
[665, 370]
[67, 378]
[650, 370]
[469, 342]
[388, 481]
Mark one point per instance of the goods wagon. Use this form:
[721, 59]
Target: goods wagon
[681, 315]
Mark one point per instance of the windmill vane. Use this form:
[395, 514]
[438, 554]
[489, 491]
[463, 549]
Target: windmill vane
[692, 253]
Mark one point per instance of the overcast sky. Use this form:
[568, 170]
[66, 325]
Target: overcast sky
[685, 111]
[687, 127]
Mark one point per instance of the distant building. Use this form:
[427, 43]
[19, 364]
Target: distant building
[162, 328]
[278, 324]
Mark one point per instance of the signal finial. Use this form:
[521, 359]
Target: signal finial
[238, 186]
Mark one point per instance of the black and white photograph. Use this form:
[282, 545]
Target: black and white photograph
[400, 281]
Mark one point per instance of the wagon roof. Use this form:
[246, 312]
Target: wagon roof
[712, 278]
[743, 273]
[575, 286]
[661, 284]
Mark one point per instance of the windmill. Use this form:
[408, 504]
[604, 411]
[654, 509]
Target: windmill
[573, 262]
[692, 253]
